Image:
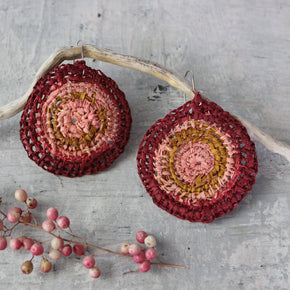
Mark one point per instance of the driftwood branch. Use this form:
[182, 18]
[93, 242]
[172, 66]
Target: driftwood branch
[131, 62]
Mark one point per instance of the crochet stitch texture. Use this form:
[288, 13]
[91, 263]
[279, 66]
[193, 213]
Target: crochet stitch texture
[76, 121]
[198, 162]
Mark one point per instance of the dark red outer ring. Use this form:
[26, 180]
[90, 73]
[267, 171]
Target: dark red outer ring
[246, 164]
[37, 147]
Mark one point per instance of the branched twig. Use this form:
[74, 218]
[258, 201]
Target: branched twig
[57, 227]
[101, 248]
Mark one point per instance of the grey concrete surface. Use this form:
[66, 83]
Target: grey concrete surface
[240, 54]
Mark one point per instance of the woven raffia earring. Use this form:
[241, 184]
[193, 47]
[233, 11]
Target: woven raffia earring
[198, 162]
[76, 121]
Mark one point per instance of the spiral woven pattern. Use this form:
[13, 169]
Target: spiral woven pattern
[76, 121]
[197, 163]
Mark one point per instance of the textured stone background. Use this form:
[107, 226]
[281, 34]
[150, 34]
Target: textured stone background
[240, 54]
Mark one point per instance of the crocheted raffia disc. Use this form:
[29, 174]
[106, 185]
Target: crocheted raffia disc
[198, 162]
[76, 121]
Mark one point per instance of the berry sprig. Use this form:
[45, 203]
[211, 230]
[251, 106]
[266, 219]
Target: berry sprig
[64, 242]
[143, 257]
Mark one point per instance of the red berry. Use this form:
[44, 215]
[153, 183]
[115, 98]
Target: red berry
[140, 258]
[31, 202]
[124, 248]
[140, 237]
[27, 267]
[13, 217]
[66, 250]
[89, 262]
[150, 254]
[45, 266]
[134, 249]
[54, 254]
[15, 244]
[52, 213]
[79, 249]
[3, 243]
[14, 214]
[95, 272]
[63, 222]
[16, 209]
[36, 249]
[48, 226]
[21, 195]
[145, 266]
[27, 243]
[56, 243]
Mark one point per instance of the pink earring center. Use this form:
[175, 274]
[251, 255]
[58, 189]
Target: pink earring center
[76, 118]
[193, 159]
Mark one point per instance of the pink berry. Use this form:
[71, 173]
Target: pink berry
[124, 248]
[56, 243]
[63, 222]
[14, 214]
[3, 243]
[79, 249]
[66, 250]
[89, 262]
[95, 272]
[31, 202]
[150, 241]
[140, 258]
[16, 209]
[54, 254]
[140, 237]
[45, 266]
[52, 213]
[15, 244]
[145, 266]
[134, 249]
[1, 225]
[150, 254]
[27, 267]
[36, 249]
[13, 217]
[48, 226]
[26, 218]
[27, 243]
[21, 195]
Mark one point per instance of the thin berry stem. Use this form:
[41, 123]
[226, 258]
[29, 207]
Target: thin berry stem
[73, 235]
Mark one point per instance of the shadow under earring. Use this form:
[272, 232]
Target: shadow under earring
[198, 162]
[76, 121]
